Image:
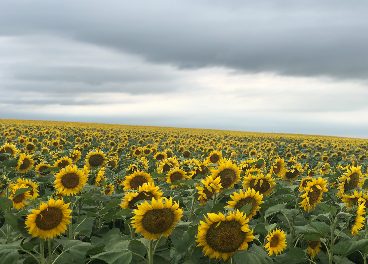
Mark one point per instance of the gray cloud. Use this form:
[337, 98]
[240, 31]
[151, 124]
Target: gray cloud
[296, 38]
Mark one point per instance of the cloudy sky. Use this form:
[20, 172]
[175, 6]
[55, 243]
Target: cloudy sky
[280, 66]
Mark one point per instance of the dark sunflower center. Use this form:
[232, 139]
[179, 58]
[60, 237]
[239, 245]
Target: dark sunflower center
[137, 152]
[112, 164]
[9, 150]
[30, 147]
[169, 154]
[49, 218]
[176, 176]
[354, 180]
[225, 237]
[314, 195]
[207, 193]
[25, 165]
[305, 182]
[166, 167]
[228, 177]
[262, 188]
[245, 201]
[274, 241]
[19, 198]
[214, 158]
[55, 143]
[157, 221]
[292, 174]
[312, 244]
[96, 160]
[141, 196]
[277, 168]
[70, 180]
[160, 157]
[353, 201]
[63, 164]
[137, 181]
[42, 168]
[186, 154]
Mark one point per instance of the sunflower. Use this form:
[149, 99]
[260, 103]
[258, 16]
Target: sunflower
[138, 178]
[211, 187]
[359, 220]
[138, 151]
[229, 174]
[112, 164]
[175, 175]
[276, 242]
[167, 164]
[49, 220]
[252, 153]
[8, 148]
[215, 157]
[63, 162]
[25, 163]
[95, 158]
[324, 158]
[303, 183]
[350, 180]
[40, 168]
[293, 173]
[75, 155]
[29, 184]
[260, 183]
[313, 248]
[200, 169]
[156, 219]
[70, 180]
[238, 200]
[132, 168]
[278, 168]
[108, 189]
[30, 147]
[352, 199]
[19, 201]
[100, 177]
[145, 192]
[313, 193]
[221, 236]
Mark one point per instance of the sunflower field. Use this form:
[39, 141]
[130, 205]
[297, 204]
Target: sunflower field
[96, 193]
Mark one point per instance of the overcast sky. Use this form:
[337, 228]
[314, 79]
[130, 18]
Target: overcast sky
[266, 66]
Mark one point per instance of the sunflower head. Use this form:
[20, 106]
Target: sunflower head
[214, 157]
[70, 180]
[145, 193]
[63, 162]
[25, 163]
[251, 196]
[95, 158]
[138, 178]
[259, 182]
[350, 180]
[229, 174]
[276, 242]
[19, 201]
[210, 188]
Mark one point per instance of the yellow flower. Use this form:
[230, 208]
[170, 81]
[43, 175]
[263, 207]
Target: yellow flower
[313, 248]
[276, 242]
[313, 193]
[25, 163]
[49, 220]
[211, 188]
[221, 236]
[156, 219]
[175, 175]
[350, 180]
[19, 201]
[238, 200]
[229, 174]
[138, 178]
[260, 183]
[359, 220]
[145, 192]
[95, 159]
[214, 157]
[70, 180]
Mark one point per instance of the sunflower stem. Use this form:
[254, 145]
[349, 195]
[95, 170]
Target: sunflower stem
[49, 250]
[191, 210]
[150, 252]
[42, 250]
[214, 201]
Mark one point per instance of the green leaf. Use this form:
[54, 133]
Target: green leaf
[333, 177]
[327, 208]
[365, 185]
[85, 226]
[9, 252]
[113, 203]
[295, 255]
[320, 228]
[218, 207]
[22, 190]
[253, 255]
[345, 248]
[312, 237]
[246, 208]
[57, 169]
[5, 203]
[116, 256]
[274, 209]
[74, 251]
[11, 220]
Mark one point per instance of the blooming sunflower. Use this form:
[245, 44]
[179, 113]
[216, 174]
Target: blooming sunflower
[19, 201]
[276, 242]
[261, 183]
[200, 169]
[138, 151]
[95, 158]
[167, 164]
[138, 178]
[28, 184]
[145, 192]
[40, 168]
[175, 175]
[221, 236]
[49, 220]
[75, 155]
[30, 147]
[25, 163]
[108, 189]
[229, 174]
[293, 173]
[100, 177]
[313, 193]
[278, 168]
[350, 180]
[112, 164]
[359, 220]
[8, 148]
[211, 187]
[63, 162]
[313, 248]
[160, 156]
[70, 180]
[352, 199]
[303, 183]
[156, 219]
[238, 200]
[215, 157]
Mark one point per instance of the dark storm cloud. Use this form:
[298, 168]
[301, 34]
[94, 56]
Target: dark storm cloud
[299, 38]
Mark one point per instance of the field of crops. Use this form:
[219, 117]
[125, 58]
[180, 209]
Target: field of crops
[94, 193]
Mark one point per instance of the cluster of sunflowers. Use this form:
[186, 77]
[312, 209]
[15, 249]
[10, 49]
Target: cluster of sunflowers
[129, 194]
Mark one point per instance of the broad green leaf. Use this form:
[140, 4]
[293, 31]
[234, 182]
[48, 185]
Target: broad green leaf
[327, 208]
[274, 209]
[345, 248]
[246, 208]
[113, 203]
[22, 190]
[11, 219]
[5, 203]
[117, 256]
[9, 252]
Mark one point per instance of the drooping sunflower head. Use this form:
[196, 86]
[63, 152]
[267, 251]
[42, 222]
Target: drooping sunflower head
[313, 193]
[108, 189]
[145, 193]
[138, 178]
[259, 182]
[313, 248]
[9, 149]
[200, 169]
[100, 177]
[75, 155]
[229, 174]
[293, 173]
[19, 200]
[112, 164]
[303, 183]
[221, 236]
[351, 200]
[359, 219]
[70, 180]
[276, 242]
[210, 188]
[278, 168]
[156, 218]
[350, 180]
[25, 163]
[214, 157]
[167, 164]
[49, 220]
[96, 158]
[250, 196]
